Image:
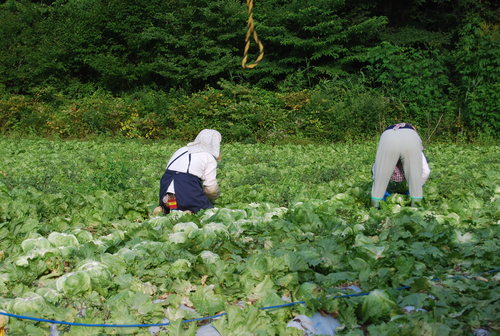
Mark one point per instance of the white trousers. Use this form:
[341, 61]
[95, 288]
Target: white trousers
[404, 144]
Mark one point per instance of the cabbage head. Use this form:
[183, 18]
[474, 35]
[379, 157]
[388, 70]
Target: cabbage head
[29, 303]
[113, 239]
[100, 277]
[115, 263]
[178, 237]
[63, 239]
[179, 268]
[376, 305]
[187, 227]
[211, 230]
[74, 283]
[24, 261]
[83, 236]
[35, 243]
[209, 257]
[308, 291]
[143, 287]
[49, 294]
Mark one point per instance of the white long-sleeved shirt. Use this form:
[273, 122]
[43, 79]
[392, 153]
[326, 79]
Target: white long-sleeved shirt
[203, 165]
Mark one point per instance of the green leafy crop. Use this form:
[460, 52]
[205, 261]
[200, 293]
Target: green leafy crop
[73, 250]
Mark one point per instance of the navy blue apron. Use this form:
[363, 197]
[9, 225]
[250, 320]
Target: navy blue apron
[188, 189]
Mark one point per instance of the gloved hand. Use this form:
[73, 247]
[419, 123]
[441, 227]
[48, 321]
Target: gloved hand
[212, 192]
[158, 210]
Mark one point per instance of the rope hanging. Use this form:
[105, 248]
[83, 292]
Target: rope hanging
[251, 31]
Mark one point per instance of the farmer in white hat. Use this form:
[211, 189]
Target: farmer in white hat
[399, 156]
[190, 179]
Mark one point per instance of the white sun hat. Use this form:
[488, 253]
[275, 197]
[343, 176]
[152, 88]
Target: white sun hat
[208, 141]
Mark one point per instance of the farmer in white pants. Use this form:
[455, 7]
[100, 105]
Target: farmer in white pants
[399, 143]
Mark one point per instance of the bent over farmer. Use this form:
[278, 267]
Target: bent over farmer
[399, 156]
[190, 179]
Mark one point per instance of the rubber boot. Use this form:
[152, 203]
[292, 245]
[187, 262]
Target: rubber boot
[375, 203]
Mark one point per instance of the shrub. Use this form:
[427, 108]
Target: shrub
[417, 81]
[478, 68]
[340, 110]
[22, 115]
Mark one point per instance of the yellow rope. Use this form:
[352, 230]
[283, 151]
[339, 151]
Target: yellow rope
[2, 331]
[251, 31]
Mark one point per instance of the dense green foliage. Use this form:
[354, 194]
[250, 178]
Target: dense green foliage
[332, 111]
[424, 60]
[77, 242]
[240, 113]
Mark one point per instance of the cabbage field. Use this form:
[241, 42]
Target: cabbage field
[78, 242]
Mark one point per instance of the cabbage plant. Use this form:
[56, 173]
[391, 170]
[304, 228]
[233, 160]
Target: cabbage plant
[35, 243]
[74, 283]
[63, 239]
[29, 303]
[376, 305]
[100, 276]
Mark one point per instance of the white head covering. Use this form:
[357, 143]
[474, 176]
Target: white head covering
[208, 141]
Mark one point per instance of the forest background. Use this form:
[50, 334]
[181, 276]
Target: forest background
[333, 70]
